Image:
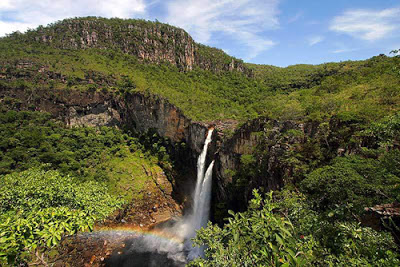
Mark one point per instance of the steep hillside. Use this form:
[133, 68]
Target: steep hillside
[324, 138]
[107, 55]
[149, 41]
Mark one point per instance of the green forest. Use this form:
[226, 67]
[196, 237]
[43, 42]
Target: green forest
[57, 181]
[319, 218]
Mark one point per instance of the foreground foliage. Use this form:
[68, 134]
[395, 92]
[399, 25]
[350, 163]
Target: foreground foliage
[290, 233]
[257, 237]
[38, 207]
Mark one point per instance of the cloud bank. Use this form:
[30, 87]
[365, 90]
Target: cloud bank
[315, 40]
[23, 14]
[243, 20]
[370, 25]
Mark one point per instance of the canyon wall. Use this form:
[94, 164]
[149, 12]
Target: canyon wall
[269, 143]
[142, 113]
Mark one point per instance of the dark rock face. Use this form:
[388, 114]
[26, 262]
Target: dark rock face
[264, 133]
[150, 41]
[142, 113]
[380, 217]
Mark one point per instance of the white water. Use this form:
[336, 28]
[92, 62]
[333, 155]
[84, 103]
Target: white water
[200, 189]
[184, 229]
[201, 201]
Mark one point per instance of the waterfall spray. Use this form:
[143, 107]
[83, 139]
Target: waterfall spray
[178, 249]
[201, 161]
[201, 200]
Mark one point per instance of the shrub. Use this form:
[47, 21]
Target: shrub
[257, 237]
[38, 207]
[350, 184]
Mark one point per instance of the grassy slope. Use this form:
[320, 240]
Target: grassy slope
[366, 89]
[104, 155]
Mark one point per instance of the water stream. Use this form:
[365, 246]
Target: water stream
[177, 249]
[201, 200]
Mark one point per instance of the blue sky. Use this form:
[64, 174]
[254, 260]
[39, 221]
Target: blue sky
[276, 32]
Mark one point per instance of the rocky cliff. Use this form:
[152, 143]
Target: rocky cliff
[143, 113]
[153, 42]
[268, 143]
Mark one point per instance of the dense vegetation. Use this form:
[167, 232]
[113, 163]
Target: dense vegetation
[288, 232]
[38, 207]
[50, 174]
[30, 139]
[366, 89]
[57, 181]
[319, 218]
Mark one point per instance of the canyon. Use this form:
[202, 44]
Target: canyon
[142, 113]
[300, 158]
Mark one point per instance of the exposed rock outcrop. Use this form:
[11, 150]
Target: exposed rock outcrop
[154, 42]
[142, 113]
[269, 135]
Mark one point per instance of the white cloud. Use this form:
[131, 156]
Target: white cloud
[5, 4]
[296, 17]
[315, 40]
[9, 27]
[243, 20]
[366, 24]
[344, 50]
[26, 14]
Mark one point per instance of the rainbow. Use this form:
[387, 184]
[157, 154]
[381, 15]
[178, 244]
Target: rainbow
[141, 231]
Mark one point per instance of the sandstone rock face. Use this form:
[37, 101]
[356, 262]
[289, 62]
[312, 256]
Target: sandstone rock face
[143, 113]
[99, 115]
[150, 41]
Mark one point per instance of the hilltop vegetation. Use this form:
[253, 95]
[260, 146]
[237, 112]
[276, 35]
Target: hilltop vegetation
[151, 41]
[363, 89]
[347, 162]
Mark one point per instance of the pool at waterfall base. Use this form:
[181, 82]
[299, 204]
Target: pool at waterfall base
[168, 244]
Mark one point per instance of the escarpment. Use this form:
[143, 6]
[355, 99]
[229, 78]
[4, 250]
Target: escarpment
[266, 142]
[152, 42]
[143, 113]
[90, 95]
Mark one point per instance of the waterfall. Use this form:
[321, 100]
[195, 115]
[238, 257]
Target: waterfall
[201, 199]
[162, 250]
[205, 198]
[201, 161]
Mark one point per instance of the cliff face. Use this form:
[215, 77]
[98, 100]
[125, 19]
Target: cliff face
[142, 113]
[135, 111]
[150, 41]
[268, 143]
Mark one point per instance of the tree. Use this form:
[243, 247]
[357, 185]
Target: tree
[257, 237]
